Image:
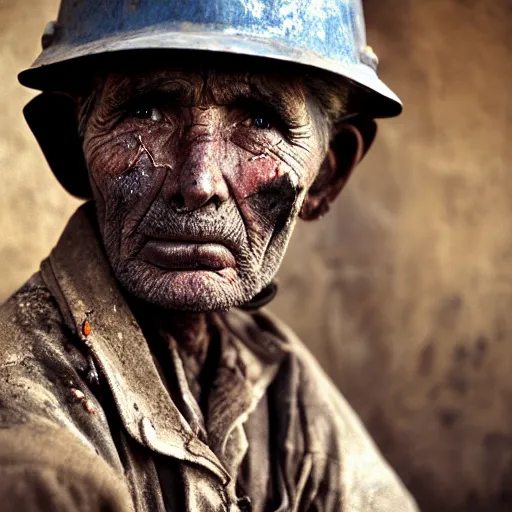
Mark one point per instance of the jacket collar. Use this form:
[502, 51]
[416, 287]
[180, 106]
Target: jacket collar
[80, 277]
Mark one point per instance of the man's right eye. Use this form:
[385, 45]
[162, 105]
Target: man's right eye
[148, 113]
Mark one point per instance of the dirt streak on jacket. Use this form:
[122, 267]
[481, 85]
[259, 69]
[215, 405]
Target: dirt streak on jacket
[90, 422]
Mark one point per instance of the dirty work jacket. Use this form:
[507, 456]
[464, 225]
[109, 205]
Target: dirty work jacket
[87, 422]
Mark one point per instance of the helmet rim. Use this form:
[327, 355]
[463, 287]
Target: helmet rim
[46, 71]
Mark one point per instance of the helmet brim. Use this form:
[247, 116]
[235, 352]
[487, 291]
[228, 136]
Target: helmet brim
[47, 72]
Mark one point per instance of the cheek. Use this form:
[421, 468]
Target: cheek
[112, 154]
[253, 174]
[107, 159]
[124, 167]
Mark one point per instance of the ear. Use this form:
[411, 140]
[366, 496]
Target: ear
[349, 143]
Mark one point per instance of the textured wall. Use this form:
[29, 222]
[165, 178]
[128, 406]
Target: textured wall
[404, 290]
[33, 209]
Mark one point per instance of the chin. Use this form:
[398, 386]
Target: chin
[186, 290]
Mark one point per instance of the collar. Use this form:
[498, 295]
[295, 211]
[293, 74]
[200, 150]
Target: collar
[263, 298]
[79, 276]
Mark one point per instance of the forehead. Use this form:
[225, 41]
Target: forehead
[217, 80]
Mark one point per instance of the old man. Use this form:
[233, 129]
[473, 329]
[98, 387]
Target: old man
[138, 370]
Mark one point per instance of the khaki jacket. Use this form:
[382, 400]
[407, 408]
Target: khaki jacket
[89, 420]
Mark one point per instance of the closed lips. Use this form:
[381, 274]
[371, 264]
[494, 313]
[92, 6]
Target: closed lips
[187, 255]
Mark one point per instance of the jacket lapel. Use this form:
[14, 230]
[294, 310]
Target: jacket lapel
[80, 278]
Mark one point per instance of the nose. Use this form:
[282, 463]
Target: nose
[201, 180]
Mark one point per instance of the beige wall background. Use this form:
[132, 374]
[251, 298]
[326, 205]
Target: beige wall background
[404, 291]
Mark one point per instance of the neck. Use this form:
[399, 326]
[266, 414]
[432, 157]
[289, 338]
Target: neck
[190, 330]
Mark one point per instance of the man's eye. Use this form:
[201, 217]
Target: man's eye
[148, 113]
[262, 123]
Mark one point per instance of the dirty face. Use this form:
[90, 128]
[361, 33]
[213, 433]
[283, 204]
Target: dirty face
[198, 176]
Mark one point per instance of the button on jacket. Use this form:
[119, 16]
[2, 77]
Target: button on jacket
[91, 418]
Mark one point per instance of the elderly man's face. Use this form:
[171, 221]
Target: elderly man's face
[198, 178]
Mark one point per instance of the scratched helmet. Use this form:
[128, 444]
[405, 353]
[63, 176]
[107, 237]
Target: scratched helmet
[324, 34]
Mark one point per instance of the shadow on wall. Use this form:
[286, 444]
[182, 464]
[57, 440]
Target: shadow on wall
[408, 291]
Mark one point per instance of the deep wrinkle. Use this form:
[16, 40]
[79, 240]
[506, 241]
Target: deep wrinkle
[177, 154]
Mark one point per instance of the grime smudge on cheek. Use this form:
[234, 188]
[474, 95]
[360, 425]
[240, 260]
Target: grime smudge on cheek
[271, 207]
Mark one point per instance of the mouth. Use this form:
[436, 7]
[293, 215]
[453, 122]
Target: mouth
[187, 254]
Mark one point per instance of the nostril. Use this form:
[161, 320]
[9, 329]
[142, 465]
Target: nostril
[187, 203]
[177, 202]
[216, 201]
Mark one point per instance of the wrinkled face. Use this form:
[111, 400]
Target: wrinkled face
[198, 177]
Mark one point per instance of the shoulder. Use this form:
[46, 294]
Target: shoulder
[35, 341]
[328, 416]
[333, 450]
[41, 416]
[31, 312]
[317, 393]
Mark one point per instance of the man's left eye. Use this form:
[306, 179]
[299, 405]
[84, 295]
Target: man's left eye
[262, 123]
[148, 113]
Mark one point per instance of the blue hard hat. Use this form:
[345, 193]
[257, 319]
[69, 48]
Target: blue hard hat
[324, 34]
